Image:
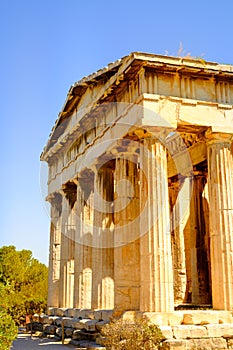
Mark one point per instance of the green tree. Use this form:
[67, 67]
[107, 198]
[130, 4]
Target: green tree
[22, 279]
[8, 330]
[34, 306]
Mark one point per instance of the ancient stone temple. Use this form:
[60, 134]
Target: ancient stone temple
[141, 187]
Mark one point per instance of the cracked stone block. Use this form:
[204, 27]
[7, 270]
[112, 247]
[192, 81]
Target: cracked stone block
[51, 311]
[189, 331]
[174, 345]
[80, 324]
[105, 315]
[84, 313]
[201, 317]
[68, 322]
[198, 332]
[167, 332]
[47, 320]
[100, 324]
[70, 312]
[61, 312]
[225, 317]
[181, 332]
[50, 329]
[220, 330]
[59, 332]
[69, 332]
[90, 325]
[76, 334]
[58, 321]
[207, 344]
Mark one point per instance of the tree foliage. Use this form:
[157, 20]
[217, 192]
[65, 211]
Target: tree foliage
[8, 330]
[23, 283]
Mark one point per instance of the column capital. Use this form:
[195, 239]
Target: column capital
[53, 197]
[218, 137]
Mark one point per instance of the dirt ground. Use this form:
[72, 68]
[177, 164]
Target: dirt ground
[24, 342]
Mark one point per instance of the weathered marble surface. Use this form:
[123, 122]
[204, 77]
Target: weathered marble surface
[141, 188]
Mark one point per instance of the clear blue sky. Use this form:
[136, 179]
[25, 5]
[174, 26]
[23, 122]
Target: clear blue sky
[47, 45]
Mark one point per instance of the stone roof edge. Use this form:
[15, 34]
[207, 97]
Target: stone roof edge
[188, 62]
[85, 80]
[143, 56]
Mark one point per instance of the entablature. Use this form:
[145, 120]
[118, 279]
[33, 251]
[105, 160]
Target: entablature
[150, 110]
[138, 73]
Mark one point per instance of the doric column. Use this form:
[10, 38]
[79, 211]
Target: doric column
[155, 244]
[102, 251]
[126, 236]
[107, 298]
[83, 241]
[55, 249]
[220, 185]
[179, 192]
[79, 250]
[64, 252]
[67, 245]
[199, 241]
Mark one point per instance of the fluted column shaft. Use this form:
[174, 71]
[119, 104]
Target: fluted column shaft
[102, 251]
[107, 297]
[87, 253]
[179, 198]
[68, 244]
[83, 241]
[220, 185]
[55, 250]
[126, 238]
[199, 245]
[79, 251]
[64, 253]
[97, 261]
[155, 245]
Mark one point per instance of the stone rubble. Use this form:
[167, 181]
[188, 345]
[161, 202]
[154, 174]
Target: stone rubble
[209, 333]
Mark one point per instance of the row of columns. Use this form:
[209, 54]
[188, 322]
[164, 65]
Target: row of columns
[111, 238]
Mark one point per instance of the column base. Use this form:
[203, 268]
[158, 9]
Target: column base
[175, 318]
[182, 317]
